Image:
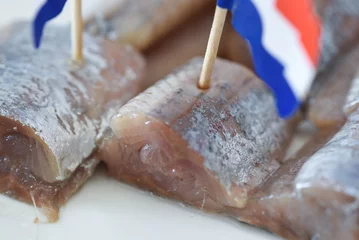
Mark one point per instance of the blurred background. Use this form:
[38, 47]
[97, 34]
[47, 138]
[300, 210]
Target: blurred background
[26, 9]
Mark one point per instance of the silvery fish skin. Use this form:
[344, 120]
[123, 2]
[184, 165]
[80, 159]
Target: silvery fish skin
[329, 93]
[211, 149]
[162, 29]
[329, 181]
[189, 41]
[54, 112]
[314, 195]
[340, 28]
[141, 23]
[278, 206]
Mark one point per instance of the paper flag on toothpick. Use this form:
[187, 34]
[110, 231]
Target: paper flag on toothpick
[50, 10]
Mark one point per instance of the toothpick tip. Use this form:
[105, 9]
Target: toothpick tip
[212, 47]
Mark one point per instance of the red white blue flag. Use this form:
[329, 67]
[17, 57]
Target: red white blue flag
[284, 36]
[50, 10]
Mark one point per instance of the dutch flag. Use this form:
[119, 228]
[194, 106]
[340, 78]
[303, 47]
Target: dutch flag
[50, 10]
[284, 37]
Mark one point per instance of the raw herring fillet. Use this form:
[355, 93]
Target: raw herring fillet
[315, 195]
[339, 54]
[328, 95]
[211, 149]
[178, 42]
[276, 205]
[189, 41]
[53, 112]
[142, 22]
[340, 28]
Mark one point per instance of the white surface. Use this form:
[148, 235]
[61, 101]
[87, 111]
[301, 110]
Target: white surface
[106, 209]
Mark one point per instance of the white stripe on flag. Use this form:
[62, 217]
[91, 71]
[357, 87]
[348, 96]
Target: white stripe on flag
[283, 42]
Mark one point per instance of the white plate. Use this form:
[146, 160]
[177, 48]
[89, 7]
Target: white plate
[106, 209]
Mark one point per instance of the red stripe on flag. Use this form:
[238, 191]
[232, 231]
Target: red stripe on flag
[301, 14]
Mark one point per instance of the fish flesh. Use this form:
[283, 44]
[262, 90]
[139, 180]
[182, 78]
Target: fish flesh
[147, 24]
[275, 205]
[340, 28]
[211, 149]
[186, 39]
[220, 150]
[328, 184]
[328, 95]
[191, 145]
[315, 195]
[339, 54]
[189, 41]
[352, 101]
[54, 112]
[141, 23]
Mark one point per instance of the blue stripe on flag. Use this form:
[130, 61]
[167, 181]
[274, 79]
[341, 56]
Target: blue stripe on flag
[247, 22]
[50, 10]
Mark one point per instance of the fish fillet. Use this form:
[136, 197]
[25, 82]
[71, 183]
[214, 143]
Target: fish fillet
[189, 41]
[220, 150]
[339, 54]
[325, 105]
[54, 112]
[211, 149]
[315, 194]
[142, 22]
[178, 43]
[276, 205]
[340, 28]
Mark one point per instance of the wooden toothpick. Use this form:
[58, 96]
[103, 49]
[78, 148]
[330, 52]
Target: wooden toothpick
[212, 47]
[77, 28]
